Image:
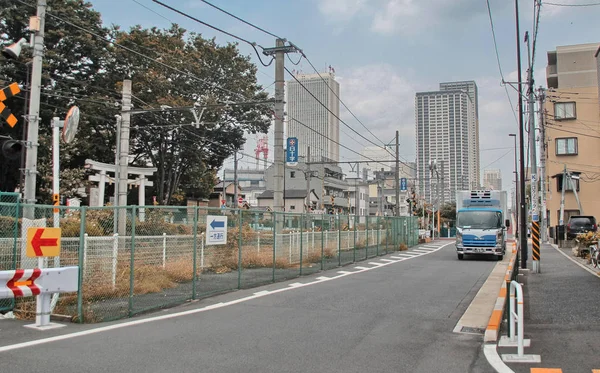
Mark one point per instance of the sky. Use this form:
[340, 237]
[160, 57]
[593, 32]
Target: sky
[384, 51]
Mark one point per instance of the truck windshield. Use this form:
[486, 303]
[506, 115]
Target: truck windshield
[479, 219]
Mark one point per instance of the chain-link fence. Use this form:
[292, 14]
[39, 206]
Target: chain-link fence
[136, 259]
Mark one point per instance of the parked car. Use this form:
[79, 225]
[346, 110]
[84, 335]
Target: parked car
[580, 224]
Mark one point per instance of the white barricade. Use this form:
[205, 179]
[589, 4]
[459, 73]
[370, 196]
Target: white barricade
[41, 283]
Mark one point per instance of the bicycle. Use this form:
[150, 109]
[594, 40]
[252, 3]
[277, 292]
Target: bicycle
[594, 254]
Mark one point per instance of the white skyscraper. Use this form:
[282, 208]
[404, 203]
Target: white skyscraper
[443, 120]
[323, 132]
[471, 88]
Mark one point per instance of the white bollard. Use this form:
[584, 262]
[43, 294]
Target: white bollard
[258, 243]
[516, 337]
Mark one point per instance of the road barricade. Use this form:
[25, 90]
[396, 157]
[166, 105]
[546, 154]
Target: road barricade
[41, 283]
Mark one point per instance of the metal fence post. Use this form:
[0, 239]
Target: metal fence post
[339, 239]
[164, 247]
[274, 243]
[240, 222]
[195, 252]
[378, 226]
[202, 251]
[85, 250]
[354, 249]
[258, 242]
[367, 239]
[132, 260]
[82, 217]
[115, 259]
[301, 246]
[322, 244]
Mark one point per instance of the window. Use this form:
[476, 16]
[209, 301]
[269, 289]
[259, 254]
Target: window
[566, 146]
[292, 174]
[292, 207]
[564, 110]
[569, 185]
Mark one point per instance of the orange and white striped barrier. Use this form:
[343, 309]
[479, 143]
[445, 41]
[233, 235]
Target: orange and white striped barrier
[41, 282]
[493, 328]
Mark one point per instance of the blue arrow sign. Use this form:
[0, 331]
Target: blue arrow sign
[291, 151]
[217, 224]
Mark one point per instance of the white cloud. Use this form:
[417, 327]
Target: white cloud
[341, 10]
[383, 99]
[406, 16]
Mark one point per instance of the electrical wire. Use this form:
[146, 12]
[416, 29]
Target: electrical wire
[499, 158]
[342, 102]
[115, 43]
[498, 60]
[241, 20]
[252, 44]
[536, 15]
[336, 116]
[152, 10]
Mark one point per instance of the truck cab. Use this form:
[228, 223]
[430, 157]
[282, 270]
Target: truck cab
[481, 224]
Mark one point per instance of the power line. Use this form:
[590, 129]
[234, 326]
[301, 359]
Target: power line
[295, 63]
[252, 44]
[115, 43]
[342, 102]
[241, 20]
[498, 60]
[499, 158]
[576, 133]
[152, 10]
[327, 108]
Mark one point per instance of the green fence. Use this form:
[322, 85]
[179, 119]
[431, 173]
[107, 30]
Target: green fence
[9, 212]
[137, 259]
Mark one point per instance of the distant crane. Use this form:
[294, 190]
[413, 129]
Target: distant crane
[262, 146]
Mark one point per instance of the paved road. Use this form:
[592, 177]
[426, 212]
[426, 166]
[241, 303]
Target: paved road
[396, 318]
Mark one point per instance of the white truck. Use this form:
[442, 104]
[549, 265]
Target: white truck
[481, 222]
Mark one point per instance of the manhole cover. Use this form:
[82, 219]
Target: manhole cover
[469, 329]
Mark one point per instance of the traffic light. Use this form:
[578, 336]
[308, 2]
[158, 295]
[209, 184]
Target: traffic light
[11, 149]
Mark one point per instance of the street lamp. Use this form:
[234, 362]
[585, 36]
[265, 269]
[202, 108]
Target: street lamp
[514, 135]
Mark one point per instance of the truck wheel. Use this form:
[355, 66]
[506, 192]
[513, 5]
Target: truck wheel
[461, 256]
[500, 257]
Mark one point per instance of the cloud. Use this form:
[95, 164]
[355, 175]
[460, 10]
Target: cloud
[383, 99]
[406, 16]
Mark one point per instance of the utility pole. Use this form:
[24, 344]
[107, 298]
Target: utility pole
[279, 51]
[544, 214]
[535, 217]
[397, 173]
[308, 175]
[124, 156]
[117, 166]
[561, 221]
[523, 211]
[33, 117]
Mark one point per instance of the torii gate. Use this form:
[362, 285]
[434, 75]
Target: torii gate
[141, 180]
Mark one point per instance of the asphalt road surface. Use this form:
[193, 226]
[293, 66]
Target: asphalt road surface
[396, 317]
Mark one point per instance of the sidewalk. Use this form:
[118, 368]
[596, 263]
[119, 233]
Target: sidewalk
[562, 314]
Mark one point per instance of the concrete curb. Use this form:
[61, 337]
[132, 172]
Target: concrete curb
[493, 328]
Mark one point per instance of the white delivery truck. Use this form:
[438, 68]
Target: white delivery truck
[481, 222]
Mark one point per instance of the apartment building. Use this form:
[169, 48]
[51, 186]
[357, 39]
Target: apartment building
[572, 123]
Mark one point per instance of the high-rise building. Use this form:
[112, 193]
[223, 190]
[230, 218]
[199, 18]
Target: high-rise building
[443, 128]
[310, 120]
[470, 87]
[492, 179]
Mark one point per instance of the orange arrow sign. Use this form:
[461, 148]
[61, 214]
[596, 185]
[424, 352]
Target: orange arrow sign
[43, 242]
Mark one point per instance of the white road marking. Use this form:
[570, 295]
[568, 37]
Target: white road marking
[125, 324]
[362, 268]
[491, 354]
[576, 262]
[262, 292]
[343, 272]
[387, 260]
[322, 278]
[421, 251]
[411, 253]
[376, 263]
